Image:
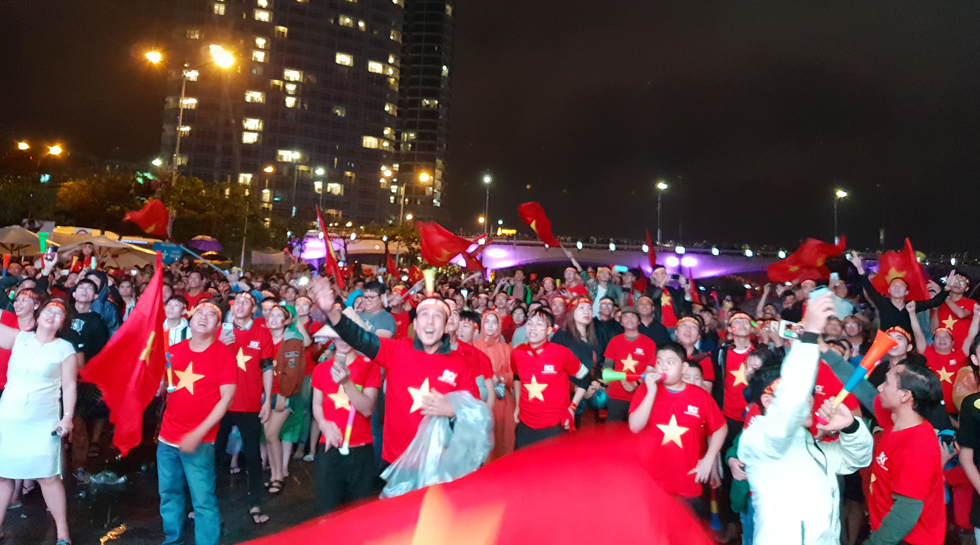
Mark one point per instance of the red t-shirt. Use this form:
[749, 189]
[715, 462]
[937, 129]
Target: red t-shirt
[479, 362]
[336, 405]
[198, 377]
[667, 315]
[544, 382]
[251, 346]
[630, 356]
[909, 463]
[577, 289]
[735, 383]
[675, 437]
[8, 319]
[312, 352]
[827, 387]
[707, 365]
[946, 366]
[410, 374]
[507, 326]
[193, 300]
[960, 326]
[401, 324]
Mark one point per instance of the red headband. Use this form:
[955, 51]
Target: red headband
[900, 331]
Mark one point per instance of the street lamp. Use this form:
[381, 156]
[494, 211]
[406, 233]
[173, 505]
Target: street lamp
[424, 177]
[55, 150]
[487, 179]
[661, 187]
[408, 216]
[481, 220]
[269, 169]
[154, 56]
[23, 146]
[157, 162]
[838, 195]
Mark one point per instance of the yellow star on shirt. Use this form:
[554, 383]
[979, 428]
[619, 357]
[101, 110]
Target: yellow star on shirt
[340, 399]
[187, 378]
[945, 376]
[629, 364]
[739, 375]
[665, 300]
[672, 432]
[242, 359]
[534, 389]
[417, 394]
[948, 323]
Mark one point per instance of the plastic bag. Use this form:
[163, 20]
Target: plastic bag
[440, 453]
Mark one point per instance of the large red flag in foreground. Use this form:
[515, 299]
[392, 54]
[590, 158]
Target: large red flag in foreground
[904, 265]
[807, 262]
[332, 264]
[523, 498]
[533, 215]
[439, 246]
[130, 367]
[153, 218]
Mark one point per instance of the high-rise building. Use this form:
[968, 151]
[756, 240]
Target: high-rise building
[309, 112]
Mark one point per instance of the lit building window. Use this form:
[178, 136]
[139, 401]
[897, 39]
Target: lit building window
[189, 103]
[287, 156]
[263, 15]
[335, 189]
[396, 36]
[261, 43]
[290, 74]
[262, 3]
[184, 130]
[361, 26]
[340, 111]
[393, 60]
[281, 32]
[292, 102]
[376, 67]
[346, 21]
[275, 84]
[349, 176]
[385, 144]
[391, 71]
[250, 137]
[291, 88]
[191, 75]
[370, 142]
[430, 103]
[258, 56]
[398, 2]
[345, 59]
[391, 199]
[391, 109]
[389, 132]
[193, 34]
[449, 10]
[393, 83]
[219, 8]
[252, 124]
[255, 96]
[445, 71]
[181, 160]
[245, 178]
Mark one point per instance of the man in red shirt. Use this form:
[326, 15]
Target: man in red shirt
[542, 371]
[201, 384]
[462, 327]
[252, 347]
[955, 314]
[688, 333]
[684, 428]
[906, 502]
[947, 354]
[399, 310]
[346, 383]
[629, 352]
[195, 288]
[418, 373]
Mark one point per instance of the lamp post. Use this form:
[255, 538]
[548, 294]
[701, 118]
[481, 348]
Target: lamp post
[661, 187]
[487, 179]
[320, 172]
[423, 178]
[840, 194]
[295, 157]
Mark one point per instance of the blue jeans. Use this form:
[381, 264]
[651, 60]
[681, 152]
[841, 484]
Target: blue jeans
[174, 469]
[748, 524]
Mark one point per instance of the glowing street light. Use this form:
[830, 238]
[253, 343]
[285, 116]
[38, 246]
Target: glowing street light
[487, 179]
[320, 171]
[222, 57]
[55, 150]
[23, 146]
[269, 169]
[408, 216]
[154, 56]
[424, 177]
[838, 195]
[481, 220]
[158, 162]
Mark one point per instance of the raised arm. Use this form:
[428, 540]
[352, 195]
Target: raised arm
[365, 342]
[974, 328]
[920, 339]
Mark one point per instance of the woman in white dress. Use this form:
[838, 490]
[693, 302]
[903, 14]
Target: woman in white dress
[41, 374]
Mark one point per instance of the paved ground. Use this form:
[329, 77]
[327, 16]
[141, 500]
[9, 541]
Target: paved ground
[95, 510]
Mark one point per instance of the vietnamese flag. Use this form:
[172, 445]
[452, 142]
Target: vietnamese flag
[807, 262]
[472, 259]
[332, 264]
[534, 216]
[415, 274]
[904, 265]
[130, 367]
[153, 218]
[439, 246]
[651, 252]
[523, 498]
[392, 269]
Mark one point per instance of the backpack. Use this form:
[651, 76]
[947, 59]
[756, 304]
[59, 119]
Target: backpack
[290, 365]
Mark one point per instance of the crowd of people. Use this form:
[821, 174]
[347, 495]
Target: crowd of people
[730, 399]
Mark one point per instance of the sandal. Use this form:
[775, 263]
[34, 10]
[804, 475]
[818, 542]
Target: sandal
[275, 487]
[258, 517]
[235, 470]
[63, 542]
[28, 489]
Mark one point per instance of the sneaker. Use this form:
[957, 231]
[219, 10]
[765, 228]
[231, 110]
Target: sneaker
[81, 476]
[308, 458]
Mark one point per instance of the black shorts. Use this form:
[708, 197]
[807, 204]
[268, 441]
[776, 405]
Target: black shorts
[90, 405]
[853, 487]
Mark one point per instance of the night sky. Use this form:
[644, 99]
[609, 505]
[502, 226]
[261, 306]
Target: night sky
[753, 112]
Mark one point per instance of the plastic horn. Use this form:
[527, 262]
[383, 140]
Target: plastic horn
[6, 263]
[608, 375]
[43, 237]
[170, 377]
[345, 448]
[430, 281]
[883, 343]
[94, 262]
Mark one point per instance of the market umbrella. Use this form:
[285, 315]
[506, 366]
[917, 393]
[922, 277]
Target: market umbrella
[113, 252]
[16, 239]
[203, 243]
[216, 258]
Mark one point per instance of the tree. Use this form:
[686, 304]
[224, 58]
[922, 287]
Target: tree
[100, 200]
[24, 198]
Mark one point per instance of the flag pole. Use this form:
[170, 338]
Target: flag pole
[212, 265]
